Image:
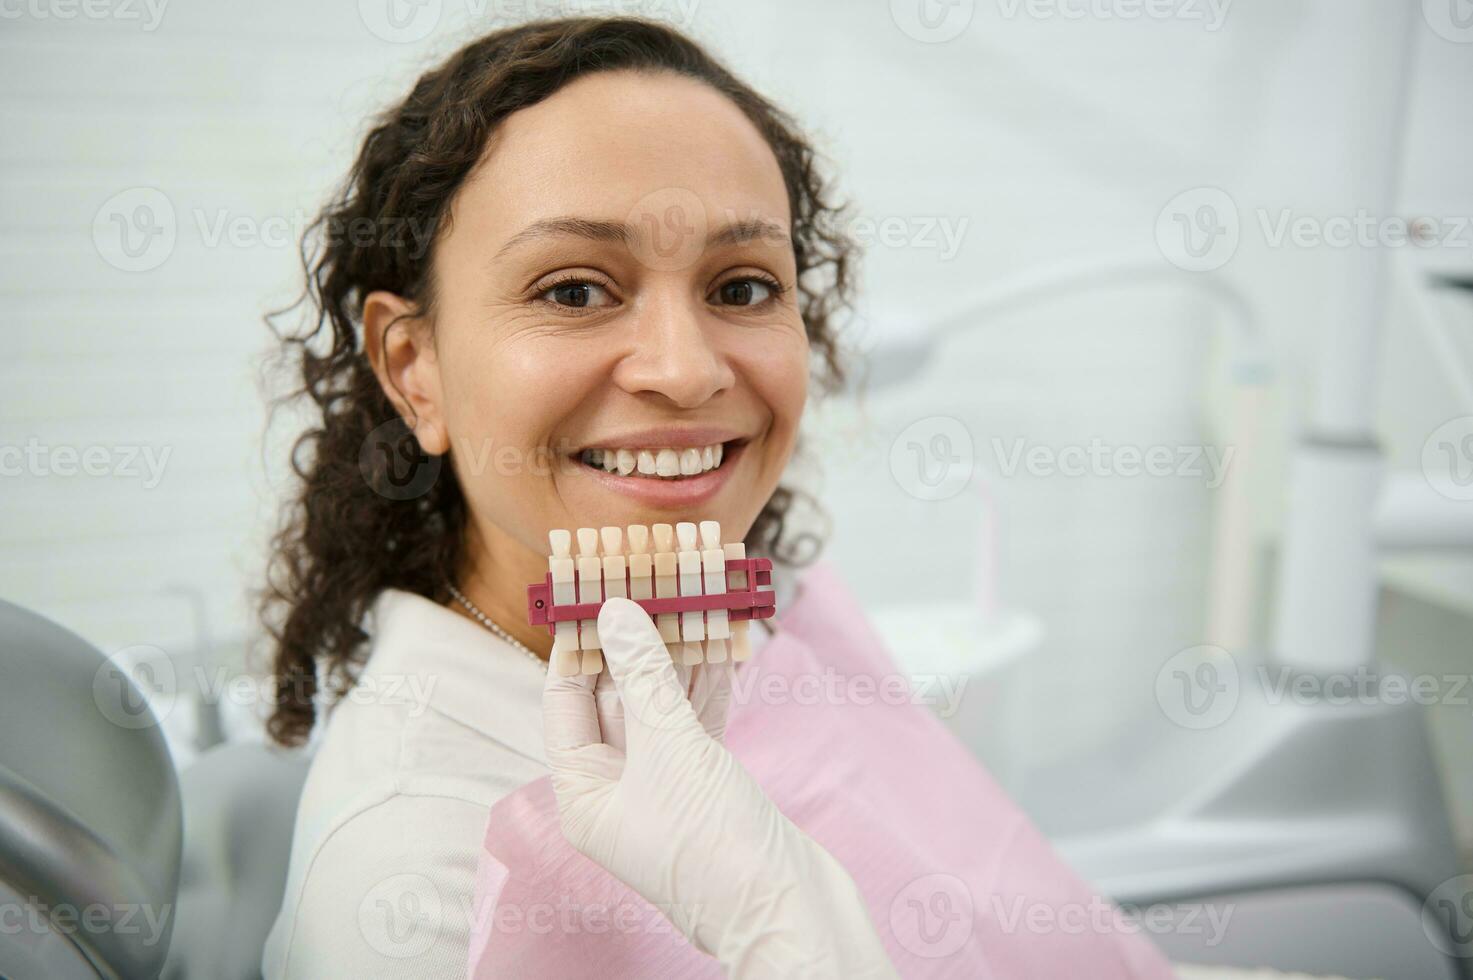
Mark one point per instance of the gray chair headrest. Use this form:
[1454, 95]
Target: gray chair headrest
[90, 815]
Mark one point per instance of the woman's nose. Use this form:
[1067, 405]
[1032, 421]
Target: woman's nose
[674, 357]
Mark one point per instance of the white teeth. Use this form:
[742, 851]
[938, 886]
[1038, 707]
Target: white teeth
[670, 464]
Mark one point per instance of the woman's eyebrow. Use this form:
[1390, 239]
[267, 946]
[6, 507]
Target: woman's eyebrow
[768, 232]
[735, 233]
[598, 231]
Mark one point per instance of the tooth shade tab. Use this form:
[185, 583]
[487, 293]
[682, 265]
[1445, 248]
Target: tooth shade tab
[710, 535]
[685, 533]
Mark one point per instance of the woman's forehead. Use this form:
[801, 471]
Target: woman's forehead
[622, 147]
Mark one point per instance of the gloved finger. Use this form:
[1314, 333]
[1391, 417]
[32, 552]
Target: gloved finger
[569, 712]
[684, 674]
[610, 711]
[655, 700]
[611, 708]
[711, 695]
[572, 741]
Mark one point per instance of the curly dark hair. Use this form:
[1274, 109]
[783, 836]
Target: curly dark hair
[350, 531]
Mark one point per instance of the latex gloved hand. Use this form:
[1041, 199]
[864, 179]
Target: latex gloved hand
[671, 813]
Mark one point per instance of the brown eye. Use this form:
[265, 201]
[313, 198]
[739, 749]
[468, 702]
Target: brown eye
[577, 294]
[744, 292]
[574, 295]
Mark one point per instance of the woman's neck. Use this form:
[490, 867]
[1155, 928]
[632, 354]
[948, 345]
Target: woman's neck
[494, 576]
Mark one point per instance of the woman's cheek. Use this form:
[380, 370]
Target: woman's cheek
[781, 377]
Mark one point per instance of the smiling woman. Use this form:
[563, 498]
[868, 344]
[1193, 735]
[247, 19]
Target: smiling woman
[589, 198]
[622, 278]
[625, 284]
[643, 299]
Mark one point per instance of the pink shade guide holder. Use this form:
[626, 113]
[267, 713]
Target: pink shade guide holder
[957, 881]
[753, 602]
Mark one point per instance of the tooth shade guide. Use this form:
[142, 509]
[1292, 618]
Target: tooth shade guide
[741, 643]
[590, 590]
[561, 576]
[713, 582]
[641, 563]
[692, 624]
[616, 583]
[665, 582]
[680, 600]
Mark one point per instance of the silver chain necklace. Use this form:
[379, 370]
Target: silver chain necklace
[485, 621]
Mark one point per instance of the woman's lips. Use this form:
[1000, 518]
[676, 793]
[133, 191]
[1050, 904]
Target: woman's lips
[686, 491]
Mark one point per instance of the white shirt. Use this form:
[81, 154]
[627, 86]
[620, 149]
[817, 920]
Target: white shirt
[445, 720]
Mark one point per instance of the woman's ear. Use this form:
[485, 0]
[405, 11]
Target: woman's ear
[401, 348]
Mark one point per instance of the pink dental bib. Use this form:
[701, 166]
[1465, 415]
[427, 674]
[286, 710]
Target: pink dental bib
[957, 881]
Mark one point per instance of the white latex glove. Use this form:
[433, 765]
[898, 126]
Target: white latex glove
[671, 813]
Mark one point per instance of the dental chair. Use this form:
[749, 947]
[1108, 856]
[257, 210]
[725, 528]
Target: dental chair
[240, 808]
[90, 818]
[110, 866]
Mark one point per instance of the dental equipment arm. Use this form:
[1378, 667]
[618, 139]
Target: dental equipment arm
[675, 817]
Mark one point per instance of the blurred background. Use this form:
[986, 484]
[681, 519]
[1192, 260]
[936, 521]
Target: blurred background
[1122, 259]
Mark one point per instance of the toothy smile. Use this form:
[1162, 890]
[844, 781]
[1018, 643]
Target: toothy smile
[668, 463]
